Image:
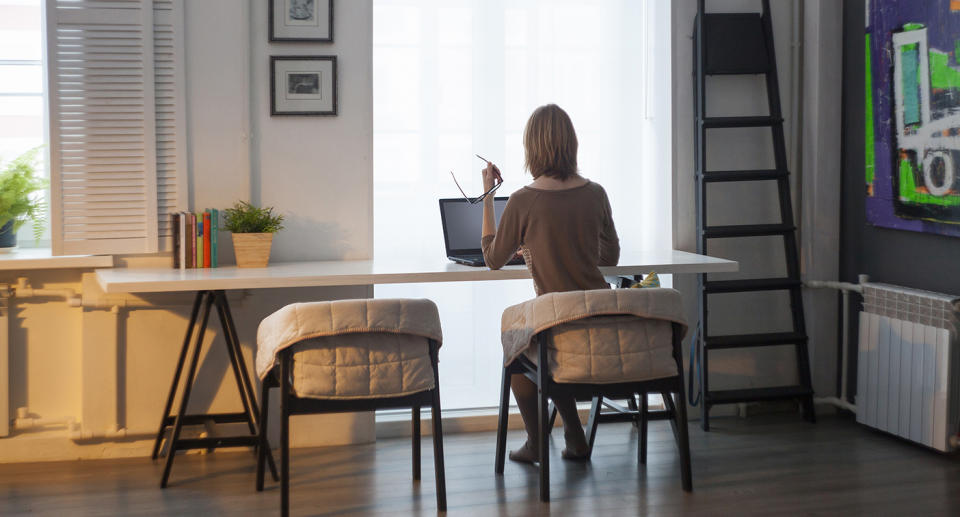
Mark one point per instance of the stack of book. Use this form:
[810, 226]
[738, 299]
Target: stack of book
[195, 239]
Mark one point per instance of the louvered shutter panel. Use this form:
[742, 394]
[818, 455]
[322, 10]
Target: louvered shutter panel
[171, 113]
[102, 126]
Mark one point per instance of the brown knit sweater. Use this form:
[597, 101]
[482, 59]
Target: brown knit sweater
[564, 236]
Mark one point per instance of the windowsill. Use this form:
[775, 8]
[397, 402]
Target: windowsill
[22, 259]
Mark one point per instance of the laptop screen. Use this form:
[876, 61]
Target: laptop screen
[462, 223]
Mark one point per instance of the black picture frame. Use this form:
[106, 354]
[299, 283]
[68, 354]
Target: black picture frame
[273, 36]
[278, 111]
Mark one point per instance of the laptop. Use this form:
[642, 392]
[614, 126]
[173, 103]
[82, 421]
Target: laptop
[462, 224]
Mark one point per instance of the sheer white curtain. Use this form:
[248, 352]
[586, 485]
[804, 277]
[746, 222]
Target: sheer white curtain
[458, 77]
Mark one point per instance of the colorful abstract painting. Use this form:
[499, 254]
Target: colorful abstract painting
[913, 115]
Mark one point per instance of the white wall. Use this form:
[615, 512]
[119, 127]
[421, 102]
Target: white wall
[317, 171]
[743, 203]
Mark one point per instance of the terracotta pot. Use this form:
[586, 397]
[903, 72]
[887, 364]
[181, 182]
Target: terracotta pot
[252, 249]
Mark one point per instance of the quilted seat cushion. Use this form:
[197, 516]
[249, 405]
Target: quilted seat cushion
[610, 349]
[361, 365]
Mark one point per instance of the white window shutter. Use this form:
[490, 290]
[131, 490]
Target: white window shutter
[170, 80]
[100, 77]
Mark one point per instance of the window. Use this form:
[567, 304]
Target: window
[458, 77]
[21, 85]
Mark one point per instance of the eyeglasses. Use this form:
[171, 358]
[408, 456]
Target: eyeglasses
[475, 200]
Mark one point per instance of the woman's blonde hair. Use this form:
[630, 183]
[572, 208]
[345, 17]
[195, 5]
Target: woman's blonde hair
[550, 143]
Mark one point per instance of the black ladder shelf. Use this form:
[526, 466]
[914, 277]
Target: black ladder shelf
[742, 44]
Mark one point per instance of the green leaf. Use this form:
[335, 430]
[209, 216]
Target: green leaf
[21, 193]
[246, 218]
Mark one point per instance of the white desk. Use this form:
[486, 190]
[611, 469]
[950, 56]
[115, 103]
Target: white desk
[377, 271]
[210, 285]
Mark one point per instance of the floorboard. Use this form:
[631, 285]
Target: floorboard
[772, 465]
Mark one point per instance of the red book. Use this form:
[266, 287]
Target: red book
[206, 239]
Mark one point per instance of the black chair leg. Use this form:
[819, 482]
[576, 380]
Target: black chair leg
[438, 468]
[263, 446]
[632, 405]
[543, 448]
[502, 422]
[553, 415]
[679, 424]
[284, 438]
[642, 414]
[592, 422]
[415, 419]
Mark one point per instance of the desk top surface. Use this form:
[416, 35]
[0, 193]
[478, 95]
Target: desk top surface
[393, 270]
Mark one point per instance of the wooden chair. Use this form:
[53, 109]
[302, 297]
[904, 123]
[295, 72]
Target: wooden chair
[676, 411]
[281, 376]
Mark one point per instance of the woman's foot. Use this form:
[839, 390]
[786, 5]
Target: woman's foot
[525, 454]
[577, 448]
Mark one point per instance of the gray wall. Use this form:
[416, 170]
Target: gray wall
[911, 259]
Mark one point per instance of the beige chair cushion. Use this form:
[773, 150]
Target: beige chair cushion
[599, 336]
[353, 348]
[370, 365]
[610, 349]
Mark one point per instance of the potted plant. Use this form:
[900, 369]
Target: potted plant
[252, 232]
[18, 202]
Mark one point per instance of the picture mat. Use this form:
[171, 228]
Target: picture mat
[319, 28]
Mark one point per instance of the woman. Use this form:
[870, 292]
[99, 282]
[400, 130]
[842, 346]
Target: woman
[562, 225]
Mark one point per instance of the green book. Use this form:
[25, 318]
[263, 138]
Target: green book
[214, 230]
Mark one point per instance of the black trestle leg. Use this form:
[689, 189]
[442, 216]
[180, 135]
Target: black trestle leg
[176, 375]
[415, 421]
[240, 370]
[191, 373]
[502, 422]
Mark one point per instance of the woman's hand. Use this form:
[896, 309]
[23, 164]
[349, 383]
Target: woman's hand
[491, 176]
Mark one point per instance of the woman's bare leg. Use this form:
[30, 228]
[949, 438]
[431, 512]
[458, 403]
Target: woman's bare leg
[525, 392]
[573, 435]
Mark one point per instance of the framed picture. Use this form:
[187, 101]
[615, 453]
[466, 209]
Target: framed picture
[303, 85]
[301, 20]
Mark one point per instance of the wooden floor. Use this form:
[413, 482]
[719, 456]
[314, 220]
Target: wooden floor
[761, 466]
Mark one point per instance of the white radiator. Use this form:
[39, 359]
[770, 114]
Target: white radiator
[907, 379]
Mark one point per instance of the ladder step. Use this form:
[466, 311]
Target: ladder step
[731, 122]
[754, 340]
[751, 175]
[755, 394]
[753, 284]
[747, 230]
[735, 44]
